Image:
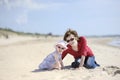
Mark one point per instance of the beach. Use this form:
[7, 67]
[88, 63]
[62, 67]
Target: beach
[20, 57]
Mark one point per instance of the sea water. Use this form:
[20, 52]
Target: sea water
[115, 43]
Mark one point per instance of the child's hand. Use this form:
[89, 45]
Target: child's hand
[58, 68]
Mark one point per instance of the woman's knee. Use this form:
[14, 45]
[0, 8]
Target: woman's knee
[75, 64]
[90, 63]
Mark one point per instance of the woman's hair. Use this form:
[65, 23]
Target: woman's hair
[69, 32]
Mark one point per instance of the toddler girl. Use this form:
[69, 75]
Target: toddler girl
[54, 60]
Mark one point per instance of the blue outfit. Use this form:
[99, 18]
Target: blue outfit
[89, 63]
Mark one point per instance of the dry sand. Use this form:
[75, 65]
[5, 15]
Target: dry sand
[20, 57]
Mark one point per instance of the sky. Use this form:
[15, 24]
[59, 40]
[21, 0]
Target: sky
[87, 17]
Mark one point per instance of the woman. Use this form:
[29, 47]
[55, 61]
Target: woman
[77, 47]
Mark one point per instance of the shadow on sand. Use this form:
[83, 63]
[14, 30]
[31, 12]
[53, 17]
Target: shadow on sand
[43, 70]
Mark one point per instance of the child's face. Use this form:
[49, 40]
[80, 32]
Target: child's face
[60, 48]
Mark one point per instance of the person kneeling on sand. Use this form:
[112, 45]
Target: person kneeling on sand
[54, 60]
[77, 47]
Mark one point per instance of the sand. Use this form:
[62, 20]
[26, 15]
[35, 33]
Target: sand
[20, 57]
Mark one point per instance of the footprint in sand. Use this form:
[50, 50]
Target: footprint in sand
[112, 70]
[116, 72]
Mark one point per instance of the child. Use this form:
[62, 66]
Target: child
[54, 60]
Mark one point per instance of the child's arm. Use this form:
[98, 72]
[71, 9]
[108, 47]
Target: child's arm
[57, 61]
[61, 62]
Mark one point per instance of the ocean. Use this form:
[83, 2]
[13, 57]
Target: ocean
[115, 43]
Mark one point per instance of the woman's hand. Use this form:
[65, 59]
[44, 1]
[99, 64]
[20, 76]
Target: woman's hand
[82, 61]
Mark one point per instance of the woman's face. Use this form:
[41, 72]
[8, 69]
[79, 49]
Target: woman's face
[71, 39]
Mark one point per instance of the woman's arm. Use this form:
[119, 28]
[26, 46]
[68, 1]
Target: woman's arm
[64, 54]
[83, 43]
[82, 61]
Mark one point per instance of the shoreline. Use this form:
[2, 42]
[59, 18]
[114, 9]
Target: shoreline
[115, 43]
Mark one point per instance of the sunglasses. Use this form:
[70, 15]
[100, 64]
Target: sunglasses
[61, 47]
[70, 40]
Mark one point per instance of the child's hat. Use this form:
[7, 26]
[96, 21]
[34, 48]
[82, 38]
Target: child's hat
[63, 43]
